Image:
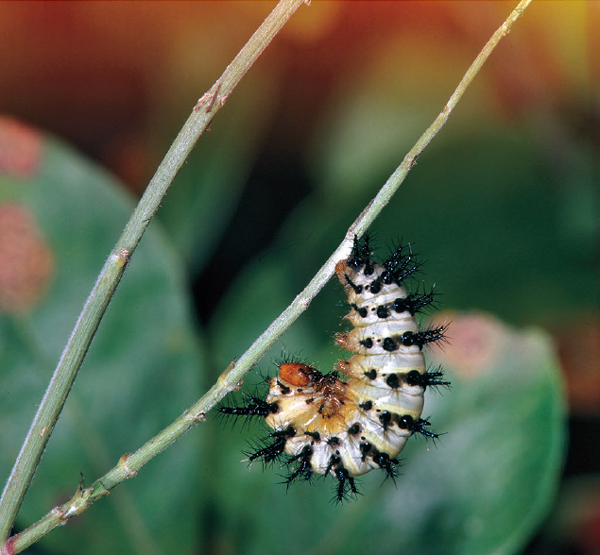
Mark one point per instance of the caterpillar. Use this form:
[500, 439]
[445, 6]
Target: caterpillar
[360, 416]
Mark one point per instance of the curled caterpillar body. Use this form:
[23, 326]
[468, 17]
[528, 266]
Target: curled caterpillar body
[359, 417]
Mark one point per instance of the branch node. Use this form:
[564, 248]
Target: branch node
[124, 467]
[202, 101]
[9, 547]
[210, 98]
[60, 515]
[222, 381]
[197, 417]
[124, 257]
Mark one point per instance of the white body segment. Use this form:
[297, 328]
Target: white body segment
[347, 426]
[362, 422]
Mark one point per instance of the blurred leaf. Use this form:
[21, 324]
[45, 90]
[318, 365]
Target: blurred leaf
[498, 233]
[142, 370]
[491, 480]
[210, 185]
[484, 487]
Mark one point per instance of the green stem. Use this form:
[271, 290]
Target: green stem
[96, 304]
[129, 464]
[367, 217]
[235, 373]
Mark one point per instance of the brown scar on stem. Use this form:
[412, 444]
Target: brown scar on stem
[124, 257]
[130, 473]
[209, 97]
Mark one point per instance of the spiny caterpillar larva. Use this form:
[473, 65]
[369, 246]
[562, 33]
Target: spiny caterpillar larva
[346, 427]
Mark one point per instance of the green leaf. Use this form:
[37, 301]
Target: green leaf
[142, 371]
[483, 487]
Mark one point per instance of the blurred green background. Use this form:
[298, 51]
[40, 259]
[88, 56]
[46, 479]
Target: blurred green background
[503, 208]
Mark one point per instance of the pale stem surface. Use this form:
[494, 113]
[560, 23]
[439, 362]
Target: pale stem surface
[129, 464]
[68, 366]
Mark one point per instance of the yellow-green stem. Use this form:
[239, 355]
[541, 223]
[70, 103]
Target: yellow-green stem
[129, 464]
[66, 371]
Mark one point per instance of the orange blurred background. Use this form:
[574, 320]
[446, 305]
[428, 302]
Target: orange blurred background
[118, 79]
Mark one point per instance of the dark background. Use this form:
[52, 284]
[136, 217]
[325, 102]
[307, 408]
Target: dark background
[504, 203]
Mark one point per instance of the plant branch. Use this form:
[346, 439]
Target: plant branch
[129, 464]
[367, 217]
[72, 357]
[232, 376]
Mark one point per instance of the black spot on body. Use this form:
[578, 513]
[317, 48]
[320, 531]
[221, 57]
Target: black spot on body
[417, 426]
[375, 287]
[393, 381]
[382, 312]
[364, 449]
[385, 418]
[401, 305]
[406, 422]
[421, 338]
[354, 429]
[389, 344]
[362, 311]
[431, 378]
[334, 460]
[414, 377]
[384, 462]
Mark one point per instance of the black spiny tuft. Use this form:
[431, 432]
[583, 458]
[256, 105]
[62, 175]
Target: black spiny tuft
[303, 469]
[360, 254]
[255, 407]
[399, 265]
[416, 426]
[431, 378]
[271, 450]
[346, 486]
[415, 302]
[421, 338]
[390, 466]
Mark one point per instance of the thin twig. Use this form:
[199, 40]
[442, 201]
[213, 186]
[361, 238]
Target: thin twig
[129, 464]
[232, 376]
[72, 357]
